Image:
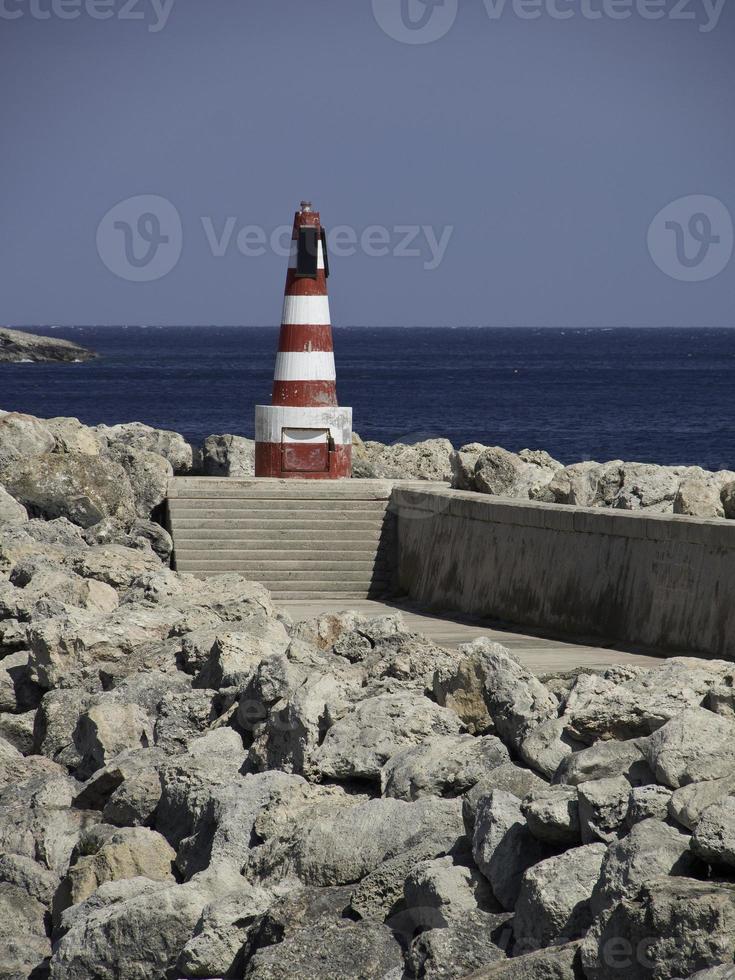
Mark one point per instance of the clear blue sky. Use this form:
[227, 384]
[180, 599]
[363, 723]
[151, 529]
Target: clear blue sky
[543, 147]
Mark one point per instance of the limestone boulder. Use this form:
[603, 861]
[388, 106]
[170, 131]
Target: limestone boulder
[11, 512]
[606, 760]
[141, 533]
[149, 476]
[546, 746]
[450, 952]
[463, 462]
[587, 484]
[429, 459]
[510, 778]
[84, 489]
[360, 744]
[699, 497]
[503, 846]
[72, 437]
[106, 729]
[554, 963]
[452, 889]
[135, 435]
[648, 802]
[554, 902]
[504, 474]
[21, 437]
[673, 927]
[694, 746]
[688, 803]
[714, 836]
[228, 455]
[603, 807]
[727, 497]
[24, 944]
[552, 815]
[442, 766]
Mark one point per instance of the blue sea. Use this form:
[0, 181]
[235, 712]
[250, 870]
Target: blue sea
[664, 396]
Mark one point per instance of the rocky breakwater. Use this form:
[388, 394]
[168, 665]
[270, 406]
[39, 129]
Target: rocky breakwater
[194, 786]
[19, 346]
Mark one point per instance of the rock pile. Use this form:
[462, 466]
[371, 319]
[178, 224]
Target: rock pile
[193, 786]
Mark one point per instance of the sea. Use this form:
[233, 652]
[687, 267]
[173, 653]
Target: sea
[650, 395]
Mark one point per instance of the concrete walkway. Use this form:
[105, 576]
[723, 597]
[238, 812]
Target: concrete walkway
[538, 653]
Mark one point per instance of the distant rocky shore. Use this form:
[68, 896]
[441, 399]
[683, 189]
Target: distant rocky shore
[192, 785]
[19, 346]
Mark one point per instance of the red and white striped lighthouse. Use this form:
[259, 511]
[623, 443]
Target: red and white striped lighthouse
[303, 434]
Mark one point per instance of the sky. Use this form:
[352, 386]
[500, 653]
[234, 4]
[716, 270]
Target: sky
[477, 162]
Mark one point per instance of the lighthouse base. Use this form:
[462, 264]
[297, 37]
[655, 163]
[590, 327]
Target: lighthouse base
[303, 443]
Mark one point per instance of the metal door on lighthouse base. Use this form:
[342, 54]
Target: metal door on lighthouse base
[305, 450]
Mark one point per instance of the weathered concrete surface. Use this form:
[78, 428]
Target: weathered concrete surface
[660, 582]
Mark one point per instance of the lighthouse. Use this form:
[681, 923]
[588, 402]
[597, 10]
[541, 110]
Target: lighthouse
[303, 434]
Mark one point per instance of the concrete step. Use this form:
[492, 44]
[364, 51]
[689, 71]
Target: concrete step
[325, 522]
[253, 529]
[276, 504]
[277, 552]
[294, 515]
[306, 541]
[353, 578]
[314, 566]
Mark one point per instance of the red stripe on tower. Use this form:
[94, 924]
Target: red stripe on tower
[304, 434]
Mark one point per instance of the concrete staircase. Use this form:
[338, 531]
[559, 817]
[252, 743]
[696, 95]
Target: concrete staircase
[303, 539]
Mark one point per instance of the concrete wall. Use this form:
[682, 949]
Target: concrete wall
[661, 582]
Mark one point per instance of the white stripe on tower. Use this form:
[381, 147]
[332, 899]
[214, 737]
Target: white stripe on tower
[305, 366]
[313, 310]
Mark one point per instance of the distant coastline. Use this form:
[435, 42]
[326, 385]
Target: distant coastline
[22, 347]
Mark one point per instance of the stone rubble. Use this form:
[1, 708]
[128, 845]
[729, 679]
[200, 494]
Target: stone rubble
[193, 786]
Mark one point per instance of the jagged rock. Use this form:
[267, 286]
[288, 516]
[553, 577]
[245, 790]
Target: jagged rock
[55, 723]
[379, 893]
[525, 475]
[552, 815]
[547, 746]
[139, 923]
[554, 902]
[172, 446]
[72, 437]
[699, 497]
[42, 831]
[449, 953]
[463, 463]
[216, 948]
[342, 845]
[605, 760]
[587, 484]
[114, 564]
[459, 686]
[234, 656]
[650, 850]
[28, 874]
[18, 692]
[555, 963]
[21, 437]
[18, 730]
[695, 745]
[672, 927]
[714, 837]
[24, 945]
[603, 806]
[11, 512]
[118, 854]
[727, 497]
[441, 766]
[451, 889]
[503, 847]
[82, 488]
[510, 778]
[149, 475]
[129, 783]
[721, 700]
[688, 803]
[648, 802]
[43, 591]
[598, 708]
[330, 951]
[182, 716]
[228, 455]
[138, 534]
[427, 460]
[362, 742]
[516, 701]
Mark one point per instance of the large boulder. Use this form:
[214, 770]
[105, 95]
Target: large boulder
[525, 475]
[21, 437]
[695, 745]
[699, 496]
[554, 901]
[443, 766]
[24, 945]
[688, 803]
[227, 455]
[149, 475]
[503, 846]
[11, 512]
[552, 814]
[135, 435]
[449, 952]
[714, 837]
[427, 460]
[672, 927]
[85, 489]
